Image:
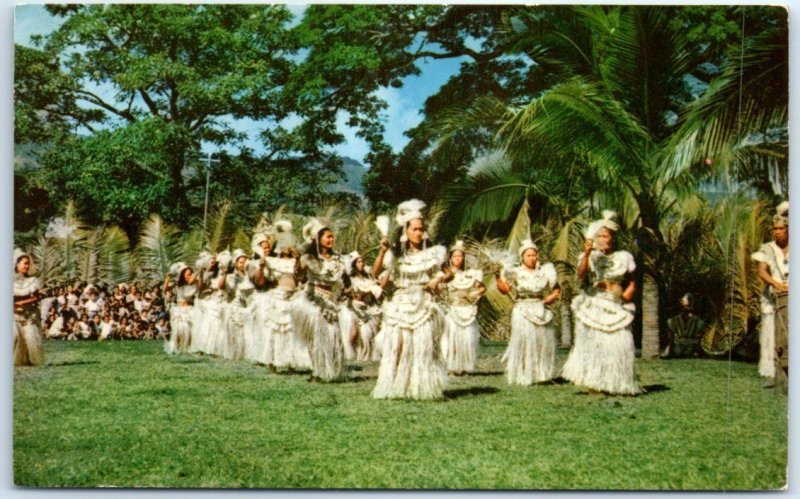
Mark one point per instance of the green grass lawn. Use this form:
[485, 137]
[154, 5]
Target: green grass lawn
[126, 414]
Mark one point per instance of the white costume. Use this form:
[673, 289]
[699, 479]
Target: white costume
[411, 330]
[461, 339]
[602, 357]
[239, 290]
[531, 354]
[181, 315]
[366, 316]
[27, 338]
[208, 333]
[317, 318]
[778, 264]
[280, 346]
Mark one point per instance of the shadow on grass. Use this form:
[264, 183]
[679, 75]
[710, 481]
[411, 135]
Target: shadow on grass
[190, 361]
[475, 390]
[170, 392]
[73, 363]
[648, 389]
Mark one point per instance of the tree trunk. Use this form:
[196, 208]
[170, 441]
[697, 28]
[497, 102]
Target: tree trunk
[566, 324]
[650, 334]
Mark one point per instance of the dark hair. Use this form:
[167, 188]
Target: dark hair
[354, 271]
[313, 247]
[19, 259]
[182, 276]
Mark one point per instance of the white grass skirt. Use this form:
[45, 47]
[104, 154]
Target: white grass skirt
[180, 320]
[766, 340]
[198, 343]
[27, 342]
[461, 339]
[256, 331]
[602, 361]
[319, 330]
[236, 318]
[411, 364]
[212, 327]
[531, 354]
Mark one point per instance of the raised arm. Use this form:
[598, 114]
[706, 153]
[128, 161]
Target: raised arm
[583, 267]
[378, 265]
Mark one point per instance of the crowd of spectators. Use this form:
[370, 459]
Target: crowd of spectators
[82, 311]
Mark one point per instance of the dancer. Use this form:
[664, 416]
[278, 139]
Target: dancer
[602, 358]
[181, 315]
[256, 332]
[531, 354]
[365, 292]
[209, 331]
[463, 289]
[27, 337]
[412, 325]
[773, 270]
[239, 291]
[316, 312]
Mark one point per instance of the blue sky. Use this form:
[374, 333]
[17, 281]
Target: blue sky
[404, 104]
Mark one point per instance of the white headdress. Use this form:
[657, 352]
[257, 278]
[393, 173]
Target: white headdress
[409, 210]
[224, 258]
[203, 260]
[607, 222]
[781, 216]
[255, 245]
[349, 258]
[283, 234]
[526, 245]
[238, 253]
[311, 229]
[458, 246]
[176, 268]
[19, 253]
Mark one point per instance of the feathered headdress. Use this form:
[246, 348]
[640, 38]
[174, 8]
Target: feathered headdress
[203, 260]
[224, 258]
[526, 245]
[458, 246]
[255, 244]
[238, 253]
[409, 210]
[607, 222]
[176, 268]
[311, 229]
[283, 234]
[781, 216]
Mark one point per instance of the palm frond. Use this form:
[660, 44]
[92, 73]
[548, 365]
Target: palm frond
[220, 228]
[159, 247]
[114, 259]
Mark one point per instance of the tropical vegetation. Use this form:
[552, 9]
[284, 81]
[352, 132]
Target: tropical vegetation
[557, 112]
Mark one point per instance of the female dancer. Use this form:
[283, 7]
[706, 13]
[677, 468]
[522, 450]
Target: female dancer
[364, 296]
[411, 363]
[209, 331]
[464, 288]
[27, 337]
[256, 331]
[531, 354]
[181, 315]
[239, 290]
[316, 312]
[602, 358]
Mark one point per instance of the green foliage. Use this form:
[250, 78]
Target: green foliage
[189, 421]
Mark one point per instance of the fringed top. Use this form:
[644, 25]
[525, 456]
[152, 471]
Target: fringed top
[415, 268]
[239, 287]
[613, 267]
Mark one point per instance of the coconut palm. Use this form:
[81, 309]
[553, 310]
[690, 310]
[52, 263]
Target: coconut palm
[622, 72]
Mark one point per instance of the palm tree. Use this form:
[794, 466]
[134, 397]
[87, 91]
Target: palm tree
[622, 72]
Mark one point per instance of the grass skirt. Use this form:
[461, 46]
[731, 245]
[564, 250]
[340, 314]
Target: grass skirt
[280, 346]
[317, 326]
[211, 330]
[602, 357]
[766, 341]
[235, 317]
[256, 331]
[198, 343]
[180, 339]
[531, 354]
[461, 338]
[27, 341]
[367, 321]
[411, 364]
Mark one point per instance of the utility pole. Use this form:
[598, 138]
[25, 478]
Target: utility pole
[207, 160]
